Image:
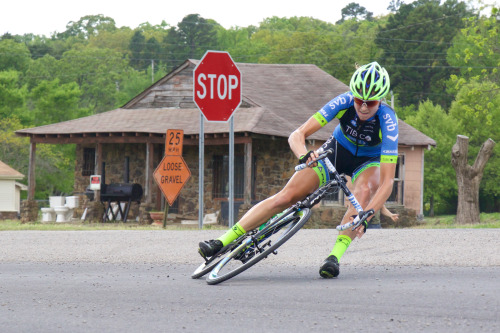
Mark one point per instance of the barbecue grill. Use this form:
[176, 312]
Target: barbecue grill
[119, 193]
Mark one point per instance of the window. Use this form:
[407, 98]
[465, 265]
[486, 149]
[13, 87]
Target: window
[88, 167]
[397, 194]
[220, 167]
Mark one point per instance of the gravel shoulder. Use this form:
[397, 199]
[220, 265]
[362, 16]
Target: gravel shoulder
[389, 247]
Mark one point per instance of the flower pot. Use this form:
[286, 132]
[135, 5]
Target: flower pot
[157, 217]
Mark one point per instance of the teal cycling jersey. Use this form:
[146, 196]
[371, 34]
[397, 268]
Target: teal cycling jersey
[377, 136]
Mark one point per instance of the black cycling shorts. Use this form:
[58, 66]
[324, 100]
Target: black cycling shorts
[345, 162]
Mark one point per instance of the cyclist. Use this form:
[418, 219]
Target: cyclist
[365, 145]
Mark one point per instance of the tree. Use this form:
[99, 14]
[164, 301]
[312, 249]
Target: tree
[38, 46]
[13, 96]
[469, 178]
[394, 5]
[193, 36]
[98, 73]
[87, 26]
[44, 68]
[334, 48]
[118, 40]
[354, 11]
[241, 44]
[476, 110]
[475, 50]
[55, 163]
[152, 51]
[414, 42]
[14, 55]
[439, 182]
[55, 102]
[136, 48]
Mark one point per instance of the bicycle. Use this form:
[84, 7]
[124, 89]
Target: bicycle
[249, 249]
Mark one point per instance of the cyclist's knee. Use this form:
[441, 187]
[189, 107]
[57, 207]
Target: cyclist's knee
[364, 191]
[283, 200]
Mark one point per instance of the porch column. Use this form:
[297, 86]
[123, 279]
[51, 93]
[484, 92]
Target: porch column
[149, 172]
[98, 168]
[247, 193]
[29, 208]
[31, 172]
[97, 209]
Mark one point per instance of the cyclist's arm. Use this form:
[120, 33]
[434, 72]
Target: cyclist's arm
[297, 140]
[385, 211]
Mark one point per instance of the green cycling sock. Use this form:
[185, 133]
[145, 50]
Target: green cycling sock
[341, 246]
[233, 233]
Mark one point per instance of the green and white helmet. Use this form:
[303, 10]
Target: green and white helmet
[370, 82]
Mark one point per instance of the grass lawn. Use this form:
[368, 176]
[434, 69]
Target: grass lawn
[490, 220]
[86, 226]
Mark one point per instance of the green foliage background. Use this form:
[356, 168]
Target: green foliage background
[443, 58]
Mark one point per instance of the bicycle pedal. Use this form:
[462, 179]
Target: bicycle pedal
[202, 255]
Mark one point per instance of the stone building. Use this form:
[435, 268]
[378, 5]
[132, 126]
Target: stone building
[276, 99]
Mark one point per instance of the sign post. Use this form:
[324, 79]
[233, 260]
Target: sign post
[217, 93]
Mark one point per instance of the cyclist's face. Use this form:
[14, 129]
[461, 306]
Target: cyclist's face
[365, 109]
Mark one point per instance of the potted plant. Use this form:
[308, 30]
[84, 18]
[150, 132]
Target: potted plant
[157, 217]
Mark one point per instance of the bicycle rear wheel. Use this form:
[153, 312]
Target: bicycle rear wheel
[258, 246]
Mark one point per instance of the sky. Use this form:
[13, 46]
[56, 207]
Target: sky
[19, 17]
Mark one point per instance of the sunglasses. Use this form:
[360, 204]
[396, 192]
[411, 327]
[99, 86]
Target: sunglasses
[369, 104]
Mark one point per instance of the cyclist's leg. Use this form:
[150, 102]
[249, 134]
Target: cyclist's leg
[299, 186]
[366, 183]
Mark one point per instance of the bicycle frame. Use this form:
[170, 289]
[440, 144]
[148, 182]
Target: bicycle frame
[337, 181]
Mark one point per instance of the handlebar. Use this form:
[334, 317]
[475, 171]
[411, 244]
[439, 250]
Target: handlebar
[323, 154]
[357, 220]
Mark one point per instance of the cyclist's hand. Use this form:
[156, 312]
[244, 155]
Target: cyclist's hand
[360, 231]
[310, 156]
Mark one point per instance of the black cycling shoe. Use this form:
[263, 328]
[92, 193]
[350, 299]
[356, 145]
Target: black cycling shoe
[209, 248]
[330, 268]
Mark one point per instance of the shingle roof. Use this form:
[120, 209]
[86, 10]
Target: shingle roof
[9, 173]
[276, 100]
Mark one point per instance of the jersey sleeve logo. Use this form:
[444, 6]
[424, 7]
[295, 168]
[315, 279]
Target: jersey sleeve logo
[393, 138]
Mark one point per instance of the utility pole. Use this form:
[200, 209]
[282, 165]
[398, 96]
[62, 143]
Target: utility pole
[152, 71]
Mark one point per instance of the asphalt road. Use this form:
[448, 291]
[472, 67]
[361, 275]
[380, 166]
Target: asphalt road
[139, 281]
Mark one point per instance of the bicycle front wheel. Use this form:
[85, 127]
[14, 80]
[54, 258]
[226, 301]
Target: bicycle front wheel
[259, 245]
[208, 265]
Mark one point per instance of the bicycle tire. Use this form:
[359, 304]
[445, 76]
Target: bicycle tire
[204, 268]
[296, 219]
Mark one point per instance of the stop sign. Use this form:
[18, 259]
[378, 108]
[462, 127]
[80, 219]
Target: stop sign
[217, 86]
